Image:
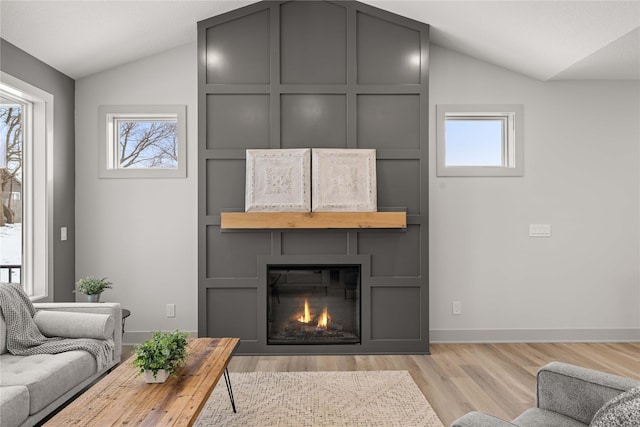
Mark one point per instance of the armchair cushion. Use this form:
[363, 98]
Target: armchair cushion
[536, 417]
[623, 411]
[75, 325]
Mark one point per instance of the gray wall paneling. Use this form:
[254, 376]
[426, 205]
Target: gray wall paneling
[29, 69]
[314, 74]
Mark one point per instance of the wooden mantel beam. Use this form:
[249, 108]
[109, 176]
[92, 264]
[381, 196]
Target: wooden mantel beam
[306, 220]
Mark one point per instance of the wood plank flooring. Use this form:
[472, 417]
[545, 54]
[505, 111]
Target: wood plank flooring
[457, 378]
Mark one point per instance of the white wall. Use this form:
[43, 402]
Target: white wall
[582, 176]
[141, 233]
[582, 164]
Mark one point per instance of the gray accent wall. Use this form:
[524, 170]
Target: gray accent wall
[314, 74]
[29, 69]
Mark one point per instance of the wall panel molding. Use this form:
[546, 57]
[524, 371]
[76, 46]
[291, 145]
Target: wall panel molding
[338, 75]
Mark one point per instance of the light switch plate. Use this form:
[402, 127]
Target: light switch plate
[171, 310]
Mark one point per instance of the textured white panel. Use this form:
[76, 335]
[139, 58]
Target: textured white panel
[344, 180]
[278, 181]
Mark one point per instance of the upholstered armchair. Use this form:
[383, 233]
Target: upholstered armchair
[571, 396]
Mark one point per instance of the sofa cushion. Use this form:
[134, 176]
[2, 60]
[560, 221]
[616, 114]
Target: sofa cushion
[536, 417]
[46, 376]
[75, 325]
[14, 405]
[622, 411]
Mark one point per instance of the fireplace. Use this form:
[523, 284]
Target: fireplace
[313, 304]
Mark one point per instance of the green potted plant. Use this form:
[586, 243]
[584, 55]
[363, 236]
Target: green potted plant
[161, 356]
[92, 287]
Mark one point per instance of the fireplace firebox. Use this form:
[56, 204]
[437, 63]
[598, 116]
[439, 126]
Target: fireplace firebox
[313, 304]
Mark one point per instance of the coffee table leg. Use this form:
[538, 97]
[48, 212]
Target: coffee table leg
[227, 380]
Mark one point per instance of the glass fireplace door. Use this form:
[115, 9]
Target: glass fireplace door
[313, 304]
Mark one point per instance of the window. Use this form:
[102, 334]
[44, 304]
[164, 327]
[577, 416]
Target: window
[479, 140]
[26, 135]
[12, 114]
[142, 141]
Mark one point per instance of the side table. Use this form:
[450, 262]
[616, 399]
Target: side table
[125, 313]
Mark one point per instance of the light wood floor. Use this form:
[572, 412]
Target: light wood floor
[457, 378]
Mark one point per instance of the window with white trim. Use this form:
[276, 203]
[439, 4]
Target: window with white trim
[142, 141]
[25, 163]
[479, 140]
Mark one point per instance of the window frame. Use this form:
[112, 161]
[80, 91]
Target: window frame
[512, 116]
[109, 115]
[36, 273]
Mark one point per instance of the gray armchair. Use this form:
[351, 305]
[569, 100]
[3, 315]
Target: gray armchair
[567, 396]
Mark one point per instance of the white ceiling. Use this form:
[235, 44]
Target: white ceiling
[544, 39]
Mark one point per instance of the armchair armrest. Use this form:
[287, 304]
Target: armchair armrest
[480, 419]
[111, 308]
[577, 392]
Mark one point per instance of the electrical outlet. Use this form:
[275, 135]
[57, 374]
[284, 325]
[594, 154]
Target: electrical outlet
[539, 230]
[456, 308]
[171, 310]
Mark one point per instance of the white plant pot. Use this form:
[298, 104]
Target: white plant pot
[161, 376]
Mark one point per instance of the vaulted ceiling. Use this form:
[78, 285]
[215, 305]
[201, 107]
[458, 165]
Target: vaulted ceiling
[546, 40]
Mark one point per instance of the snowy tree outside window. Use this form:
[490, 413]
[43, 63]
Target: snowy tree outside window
[147, 144]
[11, 142]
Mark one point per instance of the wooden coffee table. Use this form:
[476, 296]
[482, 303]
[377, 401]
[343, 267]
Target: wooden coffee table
[122, 398]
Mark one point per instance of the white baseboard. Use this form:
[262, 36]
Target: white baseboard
[533, 335]
[450, 336]
[137, 337]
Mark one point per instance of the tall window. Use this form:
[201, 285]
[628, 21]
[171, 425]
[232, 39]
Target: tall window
[12, 114]
[26, 132]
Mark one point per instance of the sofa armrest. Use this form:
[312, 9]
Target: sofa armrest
[480, 419]
[577, 392]
[112, 308]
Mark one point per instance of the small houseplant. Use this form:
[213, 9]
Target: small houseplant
[161, 356]
[92, 287]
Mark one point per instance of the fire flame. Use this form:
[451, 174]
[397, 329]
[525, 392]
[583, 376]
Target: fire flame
[323, 320]
[306, 318]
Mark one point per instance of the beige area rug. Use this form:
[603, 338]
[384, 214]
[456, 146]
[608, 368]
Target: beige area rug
[300, 399]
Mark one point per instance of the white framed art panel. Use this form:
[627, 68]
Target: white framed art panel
[278, 180]
[344, 180]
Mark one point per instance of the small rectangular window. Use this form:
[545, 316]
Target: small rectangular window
[479, 140]
[143, 142]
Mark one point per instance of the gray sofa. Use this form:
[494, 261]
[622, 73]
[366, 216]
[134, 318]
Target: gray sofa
[32, 387]
[571, 396]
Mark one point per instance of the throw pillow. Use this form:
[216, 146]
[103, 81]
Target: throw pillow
[621, 411]
[74, 325]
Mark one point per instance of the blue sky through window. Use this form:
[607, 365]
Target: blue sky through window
[148, 144]
[473, 142]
